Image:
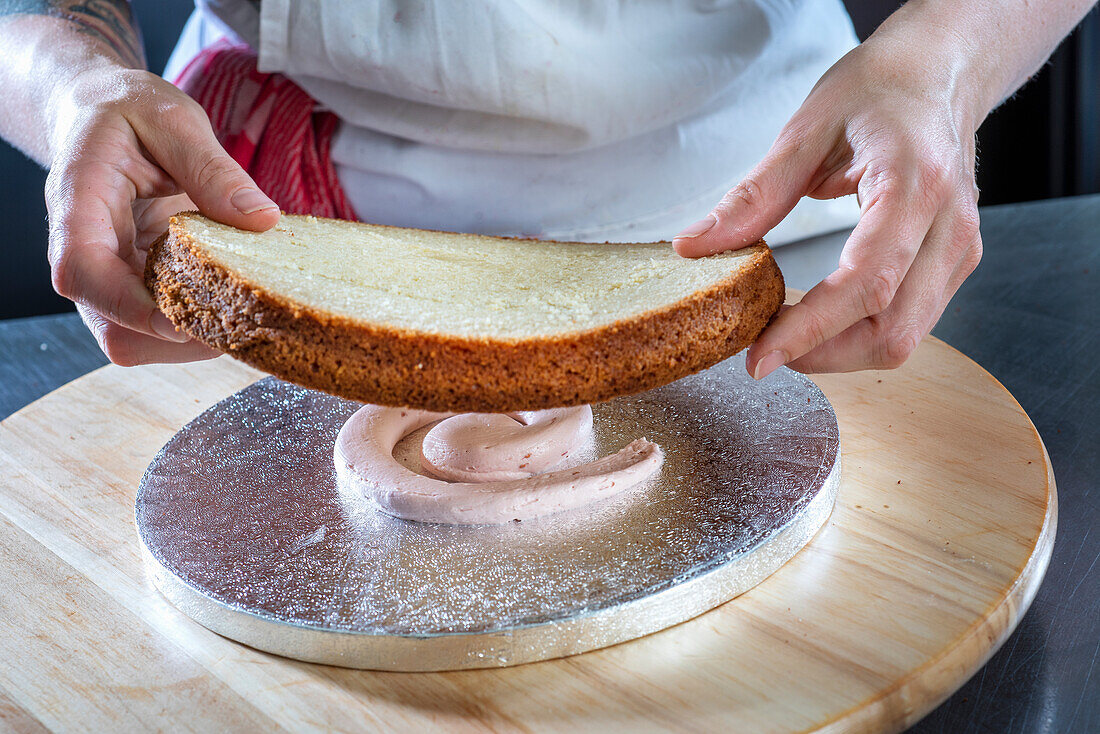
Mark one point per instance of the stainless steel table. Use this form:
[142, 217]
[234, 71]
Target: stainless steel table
[1031, 316]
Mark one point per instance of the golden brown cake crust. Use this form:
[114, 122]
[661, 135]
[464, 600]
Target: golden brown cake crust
[376, 363]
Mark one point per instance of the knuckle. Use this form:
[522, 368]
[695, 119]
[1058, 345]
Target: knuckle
[63, 275]
[748, 192]
[877, 289]
[178, 109]
[170, 119]
[132, 167]
[885, 188]
[169, 113]
[973, 256]
[968, 237]
[932, 174]
[969, 221]
[217, 171]
[138, 81]
[905, 181]
[814, 328]
[116, 345]
[172, 98]
[114, 307]
[895, 345]
[220, 173]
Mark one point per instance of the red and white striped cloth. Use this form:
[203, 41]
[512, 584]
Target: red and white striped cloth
[271, 127]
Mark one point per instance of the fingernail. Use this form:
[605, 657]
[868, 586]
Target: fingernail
[769, 364]
[166, 329]
[249, 201]
[701, 227]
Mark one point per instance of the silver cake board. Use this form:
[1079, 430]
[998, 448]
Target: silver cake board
[246, 531]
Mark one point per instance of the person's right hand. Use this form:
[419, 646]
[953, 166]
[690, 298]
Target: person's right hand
[130, 149]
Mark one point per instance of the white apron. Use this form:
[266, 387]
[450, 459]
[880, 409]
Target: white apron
[565, 119]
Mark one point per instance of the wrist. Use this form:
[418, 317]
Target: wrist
[44, 48]
[72, 92]
[44, 61]
[940, 58]
[989, 48]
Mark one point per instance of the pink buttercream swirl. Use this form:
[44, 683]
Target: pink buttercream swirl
[486, 468]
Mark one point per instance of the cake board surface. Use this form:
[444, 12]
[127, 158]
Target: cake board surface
[248, 532]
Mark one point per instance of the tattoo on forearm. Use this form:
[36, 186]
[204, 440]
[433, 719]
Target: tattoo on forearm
[109, 21]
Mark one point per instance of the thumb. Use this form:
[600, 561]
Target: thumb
[751, 208]
[186, 148]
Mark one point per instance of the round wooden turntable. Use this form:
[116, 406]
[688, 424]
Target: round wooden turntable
[941, 532]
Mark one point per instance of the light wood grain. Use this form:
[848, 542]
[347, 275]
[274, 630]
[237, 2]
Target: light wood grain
[941, 535]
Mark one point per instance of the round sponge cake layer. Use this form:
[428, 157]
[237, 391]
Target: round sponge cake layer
[451, 322]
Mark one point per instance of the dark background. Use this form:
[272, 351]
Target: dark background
[1045, 142]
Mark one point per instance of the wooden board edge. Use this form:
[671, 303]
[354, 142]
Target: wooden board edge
[68, 385]
[80, 382]
[911, 698]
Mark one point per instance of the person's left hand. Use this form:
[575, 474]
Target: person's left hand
[891, 132]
